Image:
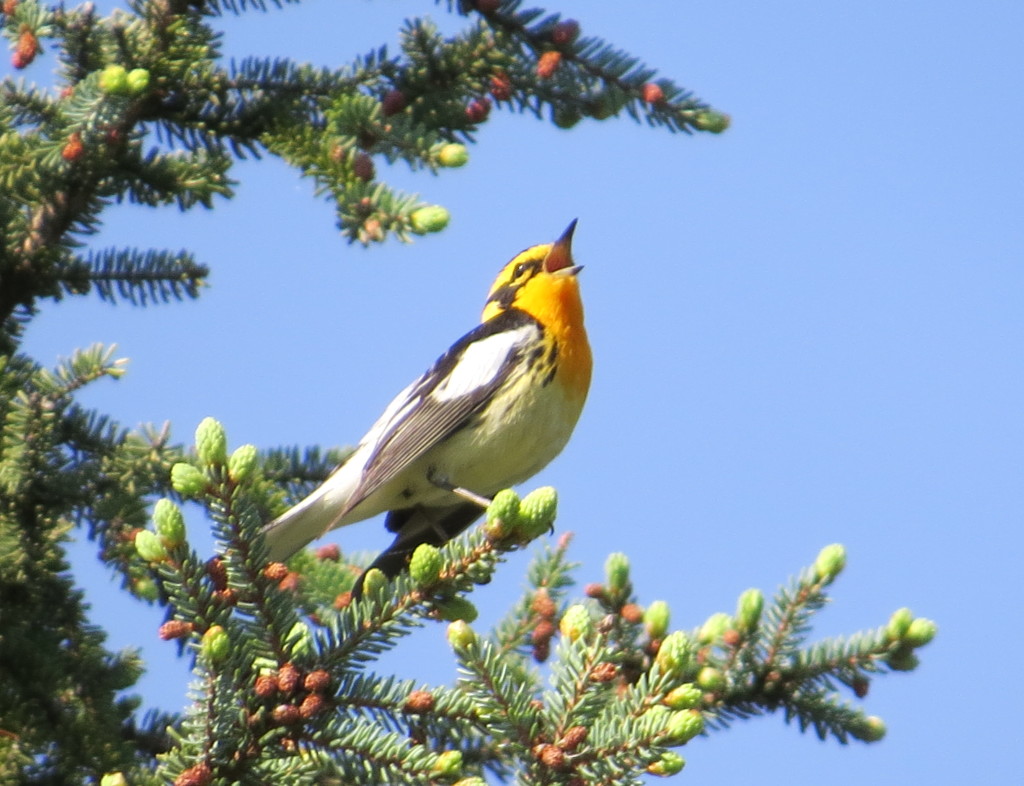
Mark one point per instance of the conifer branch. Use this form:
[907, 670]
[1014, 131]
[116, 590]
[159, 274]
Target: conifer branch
[140, 277]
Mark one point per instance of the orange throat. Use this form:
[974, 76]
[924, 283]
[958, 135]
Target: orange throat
[560, 310]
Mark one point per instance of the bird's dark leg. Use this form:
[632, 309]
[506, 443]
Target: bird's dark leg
[472, 496]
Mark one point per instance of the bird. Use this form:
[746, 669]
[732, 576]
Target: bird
[493, 410]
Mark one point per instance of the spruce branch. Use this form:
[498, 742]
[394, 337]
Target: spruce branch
[623, 692]
[583, 77]
[140, 277]
[530, 624]
[72, 693]
[578, 693]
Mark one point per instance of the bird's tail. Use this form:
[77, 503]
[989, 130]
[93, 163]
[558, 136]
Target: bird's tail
[304, 522]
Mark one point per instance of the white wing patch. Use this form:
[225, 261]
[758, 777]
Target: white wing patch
[481, 363]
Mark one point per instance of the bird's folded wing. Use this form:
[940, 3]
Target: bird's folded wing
[460, 383]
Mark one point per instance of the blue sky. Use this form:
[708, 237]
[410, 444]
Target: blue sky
[806, 330]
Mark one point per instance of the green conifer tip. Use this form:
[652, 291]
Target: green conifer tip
[685, 697]
[425, 565]
[215, 644]
[169, 522]
[710, 678]
[137, 81]
[683, 726]
[457, 609]
[830, 562]
[211, 442]
[243, 463]
[432, 218]
[656, 619]
[675, 653]
[453, 155]
[713, 122]
[670, 763]
[576, 623]
[187, 480]
[616, 571]
[748, 609]
[150, 546]
[714, 627]
[899, 623]
[920, 632]
[448, 764]
[537, 511]
[114, 80]
[460, 635]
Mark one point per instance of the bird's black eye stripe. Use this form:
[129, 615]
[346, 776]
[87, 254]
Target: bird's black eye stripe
[505, 295]
[525, 267]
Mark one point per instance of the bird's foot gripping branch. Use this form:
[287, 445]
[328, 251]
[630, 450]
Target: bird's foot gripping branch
[282, 652]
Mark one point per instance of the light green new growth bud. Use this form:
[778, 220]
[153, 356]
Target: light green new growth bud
[576, 623]
[211, 442]
[187, 480]
[114, 80]
[169, 523]
[830, 562]
[473, 780]
[453, 155]
[899, 623]
[504, 506]
[373, 581]
[715, 122]
[674, 654]
[616, 571]
[460, 635]
[683, 726]
[656, 619]
[114, 779]
[685, 697]
[670, 763]
[920, 632]
[872, 730]
[215, 644]
[748, 610]
[447, 764]
[457, 609]
[150, 546]
[138, 81]
[432, 218]
[502, 515]
[537, 511]
[243, 463]
[425, 565]
[710, 678]
[714, 627]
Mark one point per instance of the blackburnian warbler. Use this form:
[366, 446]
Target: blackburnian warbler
[493, 410]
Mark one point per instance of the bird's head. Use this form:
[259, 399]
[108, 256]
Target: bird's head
[539, 280]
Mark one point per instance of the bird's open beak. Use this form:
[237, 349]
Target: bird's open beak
[559, 258]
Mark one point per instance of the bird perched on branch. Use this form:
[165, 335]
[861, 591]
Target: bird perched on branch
[493, 410]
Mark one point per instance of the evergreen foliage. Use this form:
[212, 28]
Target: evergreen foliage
[597, 691]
